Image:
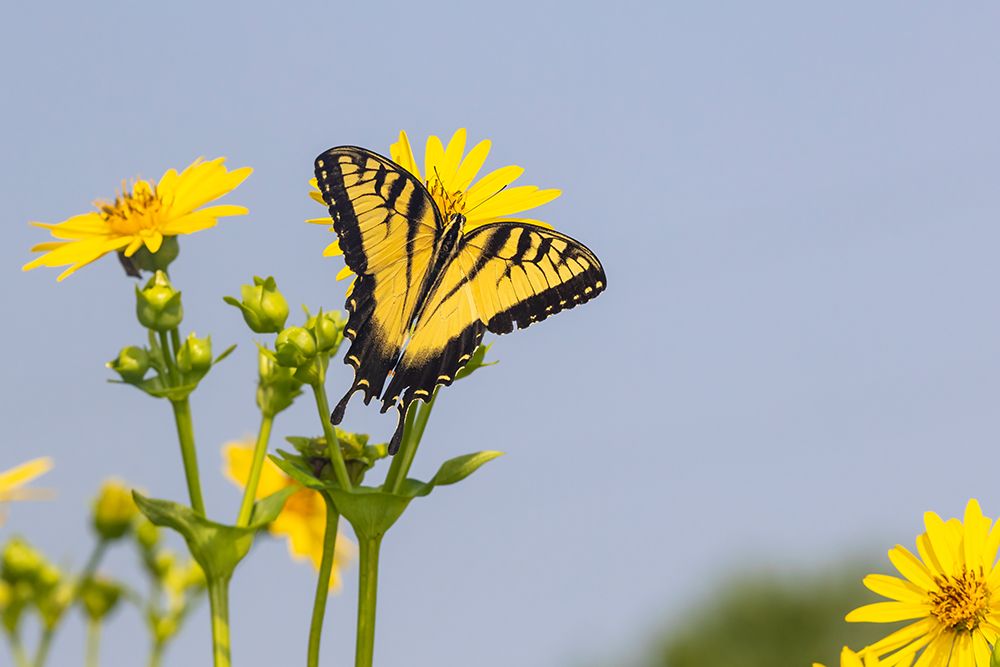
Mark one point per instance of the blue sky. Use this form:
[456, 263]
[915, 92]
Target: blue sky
[798, 352]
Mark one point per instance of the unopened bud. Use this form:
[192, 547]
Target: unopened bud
[131, 364]
[294, 347]
[195, 355]
[158, 305]
[264, 308]
[114, 510]
[328, 329]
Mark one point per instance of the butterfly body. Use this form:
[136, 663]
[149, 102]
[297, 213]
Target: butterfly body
[427, 289]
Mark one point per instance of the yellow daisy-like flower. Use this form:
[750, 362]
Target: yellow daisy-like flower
[449, 174]
[142, 216]
[12, 481]
[849, 658]
[303, 519]
[951, 592]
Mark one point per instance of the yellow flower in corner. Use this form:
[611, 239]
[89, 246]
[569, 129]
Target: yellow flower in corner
[449, 173]
[951, 592]
[302, 521]
[142, 216]
[12, 481]
[849, 658]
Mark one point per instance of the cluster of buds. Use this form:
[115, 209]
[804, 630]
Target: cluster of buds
[28, 580]
[176, 369]
[296, 348]
[359, 456]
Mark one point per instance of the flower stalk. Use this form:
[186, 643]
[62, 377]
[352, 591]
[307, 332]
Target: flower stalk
[333, 445]
[323, 583]
[218, 599]
[367, 592]
[259, 452]
[185, 434]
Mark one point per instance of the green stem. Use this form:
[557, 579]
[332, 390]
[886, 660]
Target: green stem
[323, 584]
[42, 654]
[259, 452]
[175, 338]
[332, 444]
[156, 654]
[413, 429]
[218, 599]
[185, 433]
[169, 357]
[93, 642]
[96, 555]
[367, 590]
[17, 650]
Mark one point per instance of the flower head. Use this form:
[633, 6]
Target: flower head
[12, 481]
[141, 216]
[448, 174]
[303, 519]
[951, 592]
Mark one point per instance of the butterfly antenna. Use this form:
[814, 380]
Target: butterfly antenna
[486, 200]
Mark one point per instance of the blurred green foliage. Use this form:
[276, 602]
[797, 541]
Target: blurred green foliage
[772, 620]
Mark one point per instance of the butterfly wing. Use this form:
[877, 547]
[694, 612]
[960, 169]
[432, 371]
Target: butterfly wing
[505, 274]
[388, 227]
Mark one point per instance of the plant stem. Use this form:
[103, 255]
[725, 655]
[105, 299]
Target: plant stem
[259, 452]
[416, 422]
[218, 599]
[156, 654]
[185, 433]
[92, 562]
[93, 642]
[17, 650]
[367, 590]
[169, 357]
[323, 583]
[42, 653]
[332, 444]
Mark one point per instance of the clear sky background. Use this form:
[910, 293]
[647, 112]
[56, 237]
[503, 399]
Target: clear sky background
[798, 352]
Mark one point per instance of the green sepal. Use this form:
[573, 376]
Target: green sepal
[475, 362]
[995, 657]
[216, 547]
[225, 353]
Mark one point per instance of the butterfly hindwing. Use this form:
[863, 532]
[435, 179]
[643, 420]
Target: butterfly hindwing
[505, 274]
[388, 227]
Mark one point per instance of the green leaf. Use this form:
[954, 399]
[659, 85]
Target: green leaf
[475, 362]
[456, 469]
[294, 466]
[218, 548]
[371, 512]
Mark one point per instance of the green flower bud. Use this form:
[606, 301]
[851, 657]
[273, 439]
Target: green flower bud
[54, 603]
[159, 260]
[114, 510]
[99, 597]
[20, 562]
[328, 329]
[163, 563]
[164, 626]
[131, 364]
[277, 387]
[147, 535]
[6, 596]
[158, 306]
[195, 355]
[294, 347]
[264, 308]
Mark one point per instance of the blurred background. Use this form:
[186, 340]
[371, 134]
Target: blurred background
[797, 355]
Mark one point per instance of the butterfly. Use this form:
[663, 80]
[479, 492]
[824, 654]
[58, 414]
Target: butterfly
[426, 291]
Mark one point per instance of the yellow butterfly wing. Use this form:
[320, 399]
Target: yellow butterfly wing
[388, 227]
[504, 274]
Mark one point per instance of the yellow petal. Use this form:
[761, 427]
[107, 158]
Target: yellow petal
[452, 158]
[402, 154]
[928, 557]
[333, 250]
[974, 541]
[888, 612]
[153, 241]
[913, 636]
[895, 588]
[77, 227]
[433, 157]
[515, 200]
[941, 544]
[238, 457]
[491, 184]
[910, 567]
[24, 473]
[981, 649]
[937, 651]
[471, 165]
[320, 221]
[344, 273]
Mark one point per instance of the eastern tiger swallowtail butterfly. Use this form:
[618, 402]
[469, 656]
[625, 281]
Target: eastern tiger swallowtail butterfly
[426, 290]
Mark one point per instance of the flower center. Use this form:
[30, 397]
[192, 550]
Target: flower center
[449, 202]
[133, 212]
[961, 602]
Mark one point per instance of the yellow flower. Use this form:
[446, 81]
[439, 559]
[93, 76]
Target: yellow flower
[449, 178]
[849, 658]
[951, 592]
[302, 521]
[12, 481]
[142, 216]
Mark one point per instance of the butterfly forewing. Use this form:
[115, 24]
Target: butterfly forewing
[388, 227]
